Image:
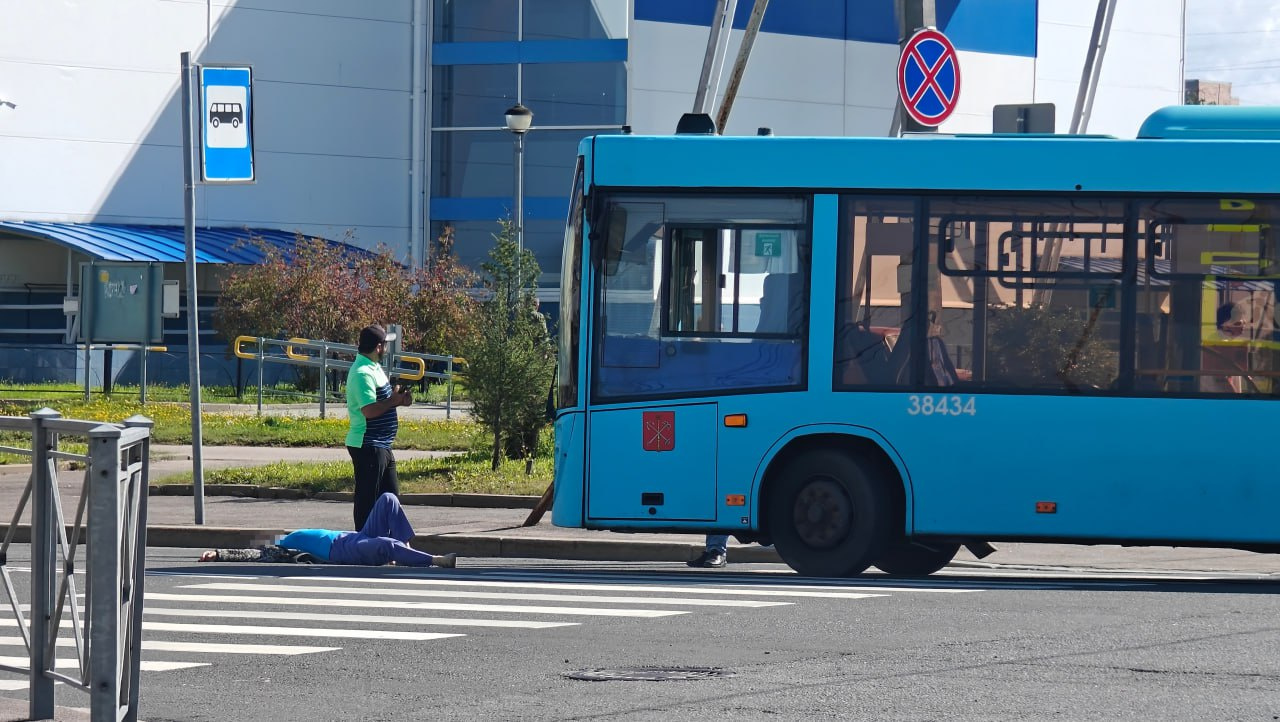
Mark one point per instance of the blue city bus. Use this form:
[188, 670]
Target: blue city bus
[873, 351]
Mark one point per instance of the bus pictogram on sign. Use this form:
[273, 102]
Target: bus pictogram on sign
[929, 77]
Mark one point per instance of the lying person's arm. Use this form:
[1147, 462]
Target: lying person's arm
[269, 553]
[232, 555]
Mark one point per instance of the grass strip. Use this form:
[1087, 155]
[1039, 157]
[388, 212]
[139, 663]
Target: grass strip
[173, 426]
[462, 474]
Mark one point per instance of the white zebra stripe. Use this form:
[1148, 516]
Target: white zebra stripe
[144, 665]
[155, 645]
[369, 618]
[851, 593]
[397, 604]
[278, 631]
[293, 588]
[293, 631]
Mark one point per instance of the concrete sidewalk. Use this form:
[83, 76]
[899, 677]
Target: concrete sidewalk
[490, 526]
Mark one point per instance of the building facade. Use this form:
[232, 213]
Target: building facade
[381, 123]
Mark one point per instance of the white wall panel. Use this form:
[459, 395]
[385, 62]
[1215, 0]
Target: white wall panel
[785, 117]
[870, 79]
[305, 118]
[1140, 68]
[348, 192]
[122, 34]
[867, 121]
[96, 131]
[656, 112]
[306, 48]
[395, 12]
[67, 180]
[807, 70]
[666, 56]
[88, 103]
[986, 81]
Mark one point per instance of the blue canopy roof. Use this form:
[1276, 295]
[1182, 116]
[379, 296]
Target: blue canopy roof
[166, 244]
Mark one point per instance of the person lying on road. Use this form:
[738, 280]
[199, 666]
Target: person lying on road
[382, 540]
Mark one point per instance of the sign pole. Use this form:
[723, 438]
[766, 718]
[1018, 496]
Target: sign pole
[193, 317]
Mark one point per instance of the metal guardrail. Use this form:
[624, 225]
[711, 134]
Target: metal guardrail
[108, 647]
[321, 355]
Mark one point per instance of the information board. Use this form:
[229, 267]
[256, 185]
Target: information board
[121, 302]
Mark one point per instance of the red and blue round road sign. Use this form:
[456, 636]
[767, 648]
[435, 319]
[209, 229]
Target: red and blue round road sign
[929, 77]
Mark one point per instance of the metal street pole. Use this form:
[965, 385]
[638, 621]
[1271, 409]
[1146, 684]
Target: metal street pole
[520, 193]
[519, 121]
[193, 317]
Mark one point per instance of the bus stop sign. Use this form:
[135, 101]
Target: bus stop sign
[226, 102]
[929, 77]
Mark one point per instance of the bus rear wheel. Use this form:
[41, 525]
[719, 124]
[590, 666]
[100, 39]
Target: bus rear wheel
[827, 515]
[916, 560]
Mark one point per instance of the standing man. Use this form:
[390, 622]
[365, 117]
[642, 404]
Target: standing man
[371, 405]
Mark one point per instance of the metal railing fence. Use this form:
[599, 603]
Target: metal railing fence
[114, 494]
[327, 356]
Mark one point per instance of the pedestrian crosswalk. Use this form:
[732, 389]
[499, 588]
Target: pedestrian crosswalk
[193, 620]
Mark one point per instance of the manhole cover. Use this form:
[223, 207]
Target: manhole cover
[648, 674]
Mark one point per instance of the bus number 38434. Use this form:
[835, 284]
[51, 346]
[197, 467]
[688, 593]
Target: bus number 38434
[941, 405]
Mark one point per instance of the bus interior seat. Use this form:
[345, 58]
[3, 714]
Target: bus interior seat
[864, 353]
[940, 365]
[782, 304]
[1150, 332]
[941, 371]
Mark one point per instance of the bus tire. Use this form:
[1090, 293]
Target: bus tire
[235, 122]
[213, 122]
[827, 515]
[915, 560]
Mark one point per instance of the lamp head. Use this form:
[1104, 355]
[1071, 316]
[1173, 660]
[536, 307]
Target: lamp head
[519, 118]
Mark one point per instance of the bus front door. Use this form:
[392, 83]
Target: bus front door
[654, 463]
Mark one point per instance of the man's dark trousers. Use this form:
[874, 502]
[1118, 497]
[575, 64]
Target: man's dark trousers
[375, 472]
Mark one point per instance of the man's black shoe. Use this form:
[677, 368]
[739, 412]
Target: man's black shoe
[709, 559]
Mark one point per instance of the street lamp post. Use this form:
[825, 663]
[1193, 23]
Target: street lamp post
[519, 118]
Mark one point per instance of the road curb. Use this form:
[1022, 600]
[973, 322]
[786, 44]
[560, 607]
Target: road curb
[473, 501]
[611, 550]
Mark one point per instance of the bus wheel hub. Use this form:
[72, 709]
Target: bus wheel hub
[822, 513]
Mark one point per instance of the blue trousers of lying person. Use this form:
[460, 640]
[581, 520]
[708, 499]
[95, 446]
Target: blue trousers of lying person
[382, 539]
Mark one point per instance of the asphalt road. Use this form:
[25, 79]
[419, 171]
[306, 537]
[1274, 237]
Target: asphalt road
[953, 646]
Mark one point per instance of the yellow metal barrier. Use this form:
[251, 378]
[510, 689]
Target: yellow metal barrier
[422, 369]
[288, 350]
[235, 348]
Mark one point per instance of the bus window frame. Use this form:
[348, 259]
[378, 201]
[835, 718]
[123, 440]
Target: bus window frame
[603, 198]
[737, 229]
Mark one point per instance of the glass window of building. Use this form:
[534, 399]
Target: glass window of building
[471, 95]
[576, 93]
[475, 21]
[575, 19]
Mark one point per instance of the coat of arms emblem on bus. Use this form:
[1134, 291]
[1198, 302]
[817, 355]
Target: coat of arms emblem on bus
[659, 430]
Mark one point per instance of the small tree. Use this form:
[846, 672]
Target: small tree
[441, 314]
[320, 290]
[510, 358]
[311, 292]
